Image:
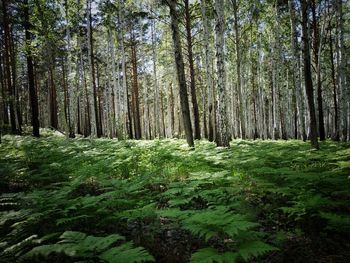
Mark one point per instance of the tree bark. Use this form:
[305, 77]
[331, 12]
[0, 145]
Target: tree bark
[238, 68]
[307, 74]
[95, 124]
[209, 80]
[223, 137]
[180, 72]
[7, 66]
[197, 130]
[30, 72]
[316, 47]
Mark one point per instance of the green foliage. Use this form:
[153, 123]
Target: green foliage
[228, 205]
[209, 255]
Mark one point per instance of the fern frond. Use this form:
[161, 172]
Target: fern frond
[126, 253]
[209, 255]
[254, 249]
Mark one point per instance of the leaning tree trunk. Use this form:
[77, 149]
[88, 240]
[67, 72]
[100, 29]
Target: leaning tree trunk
[185, 109]
[223, 137]
[307, 74]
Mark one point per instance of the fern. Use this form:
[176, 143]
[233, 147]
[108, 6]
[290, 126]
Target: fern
[126, 253]
[214, 222]
[209, 255]
[254, 249]
[79, 245]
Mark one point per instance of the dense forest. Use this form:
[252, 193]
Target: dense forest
[174, 131]
[153, 69]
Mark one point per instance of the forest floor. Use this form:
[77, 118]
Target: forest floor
[105, 200]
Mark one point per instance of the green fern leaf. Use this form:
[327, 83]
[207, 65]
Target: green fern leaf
[254, 249]
[209, 255]
[126, 253]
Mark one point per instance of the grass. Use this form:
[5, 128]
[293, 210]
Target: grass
[132, 201]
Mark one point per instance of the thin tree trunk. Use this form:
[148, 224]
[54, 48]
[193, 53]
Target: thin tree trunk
[7, 66]
[95, 124]
[296, 67]
[209, 81]
[238, 68]
[197, 130]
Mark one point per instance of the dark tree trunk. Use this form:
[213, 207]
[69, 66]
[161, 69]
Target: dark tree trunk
[335, 136]
[93, 77]
[180, 72]
[307, 74]
[197, 130]
[30, 69]
[7, 66]
[316, 46]
[135, 90]
[53, 100]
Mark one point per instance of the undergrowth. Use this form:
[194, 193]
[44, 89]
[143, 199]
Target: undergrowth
[104, 200]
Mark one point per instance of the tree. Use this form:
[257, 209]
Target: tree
[307, 73]
[180, 68]
[197, 130]
[30, 72]
[222, 132]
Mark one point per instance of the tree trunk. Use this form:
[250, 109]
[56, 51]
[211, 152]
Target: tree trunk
[135, 89]
[342, 81]
[296, 67]
[316, 47]
[30, 72]
[307, 74]
[335, 136]
[238, 68]
[207, 62]
[7, 66]
[197, 130]
[223, 138]
[180, 72]
[95, 124]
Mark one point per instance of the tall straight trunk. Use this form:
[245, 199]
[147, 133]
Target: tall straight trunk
[135, 89]
[342, 81]
[115, 90]
[185, 109]
[207, 61]
[316, 48]
[30, 72]
[296, 67]
[307, 74]
[238, 68]
[53, 98]
[223, 137]
[335, 135]
[71, 99]
[156, 85]
[95, 123]
[197, 130]
[8, 66]
[125, 109]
